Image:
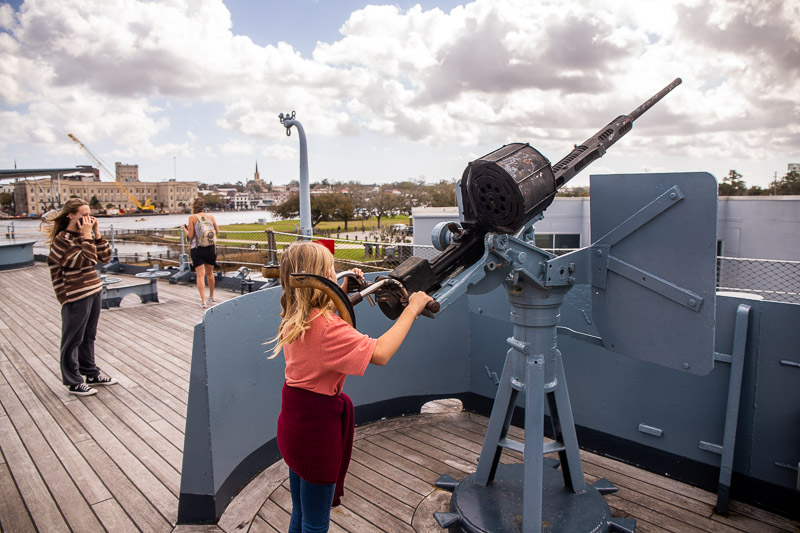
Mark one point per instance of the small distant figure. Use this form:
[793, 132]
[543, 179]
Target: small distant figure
[202, 232]
[316, 423]
[76, 247]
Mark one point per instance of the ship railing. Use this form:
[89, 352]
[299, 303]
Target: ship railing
[377, 251]
[770, 279]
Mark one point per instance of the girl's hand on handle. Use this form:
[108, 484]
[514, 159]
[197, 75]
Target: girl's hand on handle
[389, 342]
[349, 284]
[418, 301]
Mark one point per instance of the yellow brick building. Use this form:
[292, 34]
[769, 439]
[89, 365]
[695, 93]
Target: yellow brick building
[37, 196]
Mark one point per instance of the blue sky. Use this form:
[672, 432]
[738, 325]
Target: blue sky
[302, 22]
[402, 90]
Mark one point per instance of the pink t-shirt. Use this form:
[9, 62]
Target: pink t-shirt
[330, 351]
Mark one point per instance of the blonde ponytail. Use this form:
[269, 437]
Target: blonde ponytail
[296, 304]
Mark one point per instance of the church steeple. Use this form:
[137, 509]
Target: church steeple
[256, 176]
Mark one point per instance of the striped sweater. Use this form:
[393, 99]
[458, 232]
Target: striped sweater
[72, 263]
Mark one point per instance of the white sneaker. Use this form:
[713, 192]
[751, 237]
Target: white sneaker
[203, 305]
[81, 389]
[210, 300]
[101, 379]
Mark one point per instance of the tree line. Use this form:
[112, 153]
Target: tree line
[355, 201]
[364, 201]
[734, 185]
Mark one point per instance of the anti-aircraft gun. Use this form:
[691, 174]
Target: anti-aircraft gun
[502, 195]
[501, 192]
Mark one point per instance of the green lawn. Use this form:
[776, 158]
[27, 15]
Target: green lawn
[288, 226]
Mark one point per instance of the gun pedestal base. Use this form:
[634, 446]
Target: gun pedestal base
[497, 507]
[533, 496]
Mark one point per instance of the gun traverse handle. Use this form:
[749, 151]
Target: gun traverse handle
[433, 307]
[330, 289]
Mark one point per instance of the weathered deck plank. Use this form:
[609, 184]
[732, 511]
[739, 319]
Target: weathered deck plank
[32, 488]
[112, 461]
[13, 513]
[28, 413]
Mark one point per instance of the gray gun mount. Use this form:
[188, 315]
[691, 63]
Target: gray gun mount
[503, 192]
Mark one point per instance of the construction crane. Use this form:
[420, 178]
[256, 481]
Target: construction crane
[146, 206]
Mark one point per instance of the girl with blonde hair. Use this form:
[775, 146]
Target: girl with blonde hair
[204, 255]
[76, 247]
[316, 423]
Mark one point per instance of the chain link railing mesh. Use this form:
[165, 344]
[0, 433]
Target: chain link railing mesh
[257, 248]
[778, 281]
[773, 280]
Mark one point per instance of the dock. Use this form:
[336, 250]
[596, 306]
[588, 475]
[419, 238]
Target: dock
[112, 461]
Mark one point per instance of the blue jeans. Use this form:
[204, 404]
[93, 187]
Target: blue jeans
[311, 505]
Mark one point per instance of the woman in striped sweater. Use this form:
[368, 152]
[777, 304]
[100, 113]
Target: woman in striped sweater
[76, 247]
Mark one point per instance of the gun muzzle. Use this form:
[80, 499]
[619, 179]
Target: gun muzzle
[636, 113]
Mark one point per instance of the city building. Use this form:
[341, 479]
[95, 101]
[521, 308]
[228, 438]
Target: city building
[243, 201]
[37, 196]
[277, 194]
[126, 173]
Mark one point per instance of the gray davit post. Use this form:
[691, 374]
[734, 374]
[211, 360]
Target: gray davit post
[305, 194]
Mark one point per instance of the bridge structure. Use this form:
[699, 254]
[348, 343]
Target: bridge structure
[54, 173]
[55, 176]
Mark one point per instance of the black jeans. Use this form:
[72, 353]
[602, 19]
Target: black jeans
[78, 331]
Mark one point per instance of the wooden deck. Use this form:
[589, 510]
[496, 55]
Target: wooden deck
[111, 462]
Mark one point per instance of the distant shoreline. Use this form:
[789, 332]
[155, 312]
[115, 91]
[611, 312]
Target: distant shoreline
[135, 215]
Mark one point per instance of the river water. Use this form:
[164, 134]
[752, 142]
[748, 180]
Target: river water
[29, 229]
[143, 221]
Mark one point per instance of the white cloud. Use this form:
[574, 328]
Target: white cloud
[486, 72]
[236, 148]
[279, 151]
[6, 16]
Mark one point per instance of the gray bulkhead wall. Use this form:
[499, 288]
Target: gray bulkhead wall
[759, 227]
[235, 391]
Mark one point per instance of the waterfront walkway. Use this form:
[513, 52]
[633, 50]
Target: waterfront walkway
[112, 461]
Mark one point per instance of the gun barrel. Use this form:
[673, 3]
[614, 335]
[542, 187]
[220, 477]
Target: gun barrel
[636, 113]
[595, 147]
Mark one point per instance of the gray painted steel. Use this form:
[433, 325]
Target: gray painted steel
[234, 396]
[16, 254]
[305, 196]
[763, 227]
[495, 508]
[732, 411]
[656, 301]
